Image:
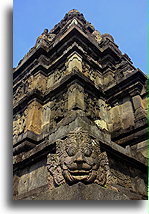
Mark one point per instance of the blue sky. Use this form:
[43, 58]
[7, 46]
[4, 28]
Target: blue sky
[125, 20]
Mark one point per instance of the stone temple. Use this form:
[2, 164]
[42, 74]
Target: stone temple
[79, 118]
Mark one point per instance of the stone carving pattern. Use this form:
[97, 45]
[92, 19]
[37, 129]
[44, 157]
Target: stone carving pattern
[38, 82]
[19, 124]
[122, 178]
[19, 93]
[92, 107]
[124, 69]
[89, 72]
[78, 159]
[59, 73]
[45, 38]
[104, 176]
[58, 109]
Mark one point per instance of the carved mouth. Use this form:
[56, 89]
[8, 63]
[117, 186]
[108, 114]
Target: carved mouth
[79, 172]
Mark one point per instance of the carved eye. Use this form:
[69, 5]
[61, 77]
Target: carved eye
[71, 151]
[87, 152]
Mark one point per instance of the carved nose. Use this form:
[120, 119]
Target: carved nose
[79, 158]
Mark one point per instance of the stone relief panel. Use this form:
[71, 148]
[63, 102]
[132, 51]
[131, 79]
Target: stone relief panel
[39, 82]
[19, 124]
[27, 85]
[50, 81]
[122, 178]
[78, 159]
[58, 109]
[128, 176]
[19, 93]
[60, 72]
[92, 108]
[56, 76]
[96, 110]
[92, 74]
[145, 104]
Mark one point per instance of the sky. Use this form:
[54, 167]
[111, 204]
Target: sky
[125, 20]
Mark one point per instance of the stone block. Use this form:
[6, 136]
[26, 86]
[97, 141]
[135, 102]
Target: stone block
[46, 114]
[103, 110]
[137, 102]
[50, 81]
[28, 181]
[145, 103]
[39, 82]
[76, 98]
[127, 115]
[41, 174]
[34, 118]
[98, 80]
[142, 147]
[74, 61]
[108, 78]
[140, 186]
[116, 118]
[78, 191]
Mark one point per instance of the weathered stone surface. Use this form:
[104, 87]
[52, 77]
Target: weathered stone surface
[50, 81]
[39, 82]
[116, 118]
[137, 102]
[102, 124]
[81, 191]
[74, 61]
[46, 114]
[76, 97]
[19, 123]
[34, 117]
[145, 103]
[28, 178]
[127, 115]
[141, 147]
[109, 79]
[77, 159]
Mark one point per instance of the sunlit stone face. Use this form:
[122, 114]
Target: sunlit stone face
[80, 161]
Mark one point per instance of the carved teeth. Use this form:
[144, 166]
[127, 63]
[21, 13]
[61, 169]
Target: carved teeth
[78, 172]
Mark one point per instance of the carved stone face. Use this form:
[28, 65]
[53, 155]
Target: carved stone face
[79, 161]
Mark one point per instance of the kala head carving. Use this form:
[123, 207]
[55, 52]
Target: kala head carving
[77, 159]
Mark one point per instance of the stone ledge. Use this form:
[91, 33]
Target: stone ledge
[80, 191]
[93, 130]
